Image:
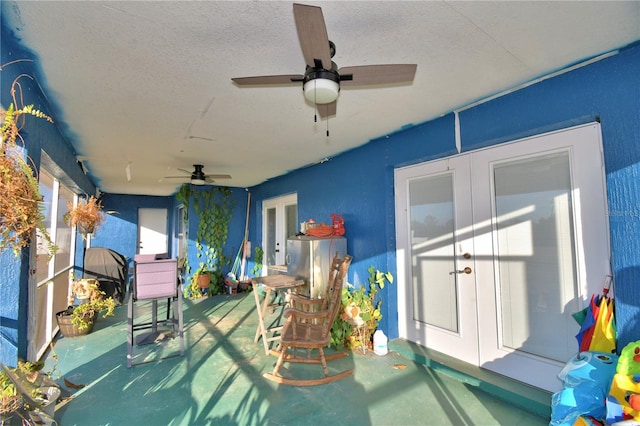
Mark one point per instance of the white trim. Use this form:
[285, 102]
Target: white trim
[538, 80]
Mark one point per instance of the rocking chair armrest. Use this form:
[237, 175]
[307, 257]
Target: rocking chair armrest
[296, 313]
[304, 300]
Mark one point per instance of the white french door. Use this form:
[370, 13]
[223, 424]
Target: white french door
[498, 247]
[279, 222]
[434, 219]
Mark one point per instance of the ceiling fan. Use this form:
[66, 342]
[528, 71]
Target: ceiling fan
[197, 176]
[322, 79]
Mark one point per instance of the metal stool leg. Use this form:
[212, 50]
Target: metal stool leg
[129, 330]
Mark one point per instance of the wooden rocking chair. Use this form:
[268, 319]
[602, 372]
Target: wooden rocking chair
[308, 327]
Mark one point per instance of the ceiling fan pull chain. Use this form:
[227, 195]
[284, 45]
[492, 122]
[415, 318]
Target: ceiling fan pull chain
[315, 103]
[327, 126]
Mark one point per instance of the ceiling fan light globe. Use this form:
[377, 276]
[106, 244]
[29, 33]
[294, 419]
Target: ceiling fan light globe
[321, 90]
[198, 182]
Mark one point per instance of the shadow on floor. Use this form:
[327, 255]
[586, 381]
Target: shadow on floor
[219, 381]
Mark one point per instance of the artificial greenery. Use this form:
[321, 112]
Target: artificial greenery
[360, 312]
[21, 209]
[214, 208]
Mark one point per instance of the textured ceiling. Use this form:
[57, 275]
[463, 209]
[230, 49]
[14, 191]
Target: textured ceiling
[148, 84]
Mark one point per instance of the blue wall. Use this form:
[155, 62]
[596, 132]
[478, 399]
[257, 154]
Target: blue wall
[39, 135]
[359, 184]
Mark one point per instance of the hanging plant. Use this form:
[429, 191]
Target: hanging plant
[87, 215]
[21, 210]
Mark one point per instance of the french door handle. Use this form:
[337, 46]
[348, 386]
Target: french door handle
[466, 270]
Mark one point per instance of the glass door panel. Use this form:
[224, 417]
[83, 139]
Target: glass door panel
[270, 218]
[433, 252]
[535, 255]
[291, 223]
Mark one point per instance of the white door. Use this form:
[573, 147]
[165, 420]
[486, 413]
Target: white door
[152, 231]
[523, 247]
[279, 222]
[434, 221]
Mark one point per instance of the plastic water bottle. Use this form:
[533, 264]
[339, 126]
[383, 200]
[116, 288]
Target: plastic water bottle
[380, 343]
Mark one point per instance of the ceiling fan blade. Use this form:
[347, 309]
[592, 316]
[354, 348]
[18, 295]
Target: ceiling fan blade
[175, 177]
[217, 176]
[312, 33]
[377, 74]
[268, 79]
[184, 170]
[327, 110]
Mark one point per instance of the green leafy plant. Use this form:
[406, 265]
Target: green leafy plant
[360, 312]
[214, 208]
[194, 289]
[257, 261]
[28, 373]
[84, 314]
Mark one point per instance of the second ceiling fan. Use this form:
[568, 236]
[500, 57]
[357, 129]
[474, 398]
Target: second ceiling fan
[322, 79]
[197, 176]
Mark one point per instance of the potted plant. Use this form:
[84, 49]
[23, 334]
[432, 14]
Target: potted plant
[200, 283]
[20, 204]
[360, 312]
[78, 320]
[87, 215]
[23, 390]
[203, 276]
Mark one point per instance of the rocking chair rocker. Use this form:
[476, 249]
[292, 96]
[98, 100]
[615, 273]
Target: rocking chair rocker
[308, 327]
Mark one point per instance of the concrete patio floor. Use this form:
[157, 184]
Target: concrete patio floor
[219, 381]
